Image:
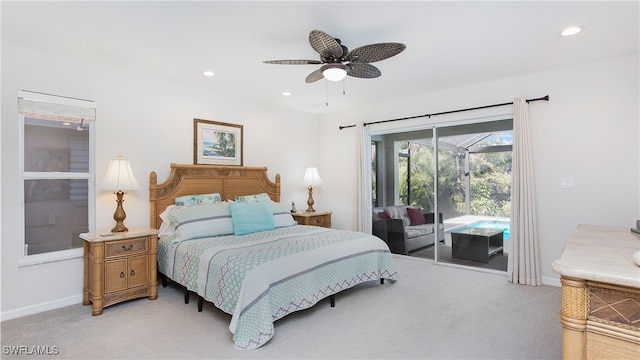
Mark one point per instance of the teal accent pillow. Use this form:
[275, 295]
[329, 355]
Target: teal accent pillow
[251, 217]
[253, 198]
[198, 199]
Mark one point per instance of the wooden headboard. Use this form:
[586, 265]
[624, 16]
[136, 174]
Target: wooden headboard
[229, 181]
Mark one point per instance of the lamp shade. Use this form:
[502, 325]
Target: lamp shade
[120, 176]
[312, 177]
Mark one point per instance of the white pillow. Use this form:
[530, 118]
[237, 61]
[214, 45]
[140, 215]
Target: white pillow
[166, 228]
[198, 221]
[281, 215]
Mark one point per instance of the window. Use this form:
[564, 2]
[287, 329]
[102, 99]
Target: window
[57, 171]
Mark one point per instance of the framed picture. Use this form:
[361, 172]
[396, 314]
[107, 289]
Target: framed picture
[217, 143]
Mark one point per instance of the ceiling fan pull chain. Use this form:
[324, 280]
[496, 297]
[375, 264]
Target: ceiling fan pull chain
[326, 93]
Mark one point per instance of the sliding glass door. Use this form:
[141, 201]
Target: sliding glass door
[474, 192]
[469, 168]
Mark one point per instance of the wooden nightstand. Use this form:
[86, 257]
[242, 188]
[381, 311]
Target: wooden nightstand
[316, 218]
[119, 267]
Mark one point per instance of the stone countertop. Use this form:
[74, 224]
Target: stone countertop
[601, 253]
[108, 236]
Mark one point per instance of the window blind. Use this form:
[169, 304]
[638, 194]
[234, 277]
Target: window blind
[38, 103]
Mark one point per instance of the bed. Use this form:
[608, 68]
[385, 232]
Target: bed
[225, 236]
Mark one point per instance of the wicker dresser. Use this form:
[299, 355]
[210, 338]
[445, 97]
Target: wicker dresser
[600, 312]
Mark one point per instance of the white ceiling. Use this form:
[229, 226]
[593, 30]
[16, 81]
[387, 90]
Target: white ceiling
[449, 44]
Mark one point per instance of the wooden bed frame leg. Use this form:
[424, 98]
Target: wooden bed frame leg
[163, 277]
[199, 303]
[332, 300]
[381, 281]
[186, 295]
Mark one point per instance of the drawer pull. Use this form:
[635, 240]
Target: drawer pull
[133, 272]
[318, 221]
[122, 274]
[127, 248]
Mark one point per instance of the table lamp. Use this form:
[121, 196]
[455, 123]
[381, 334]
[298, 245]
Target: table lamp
[119, 179]
[311, 179]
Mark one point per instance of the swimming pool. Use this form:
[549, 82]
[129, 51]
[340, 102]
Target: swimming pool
[488, 224]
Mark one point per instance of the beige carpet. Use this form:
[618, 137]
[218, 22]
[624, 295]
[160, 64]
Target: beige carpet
[433, 311]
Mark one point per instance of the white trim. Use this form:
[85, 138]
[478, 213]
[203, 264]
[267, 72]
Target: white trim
[56, 99]
[385, 128]
[49, 257]
[42, 307]
[27, 175]
[551, 281]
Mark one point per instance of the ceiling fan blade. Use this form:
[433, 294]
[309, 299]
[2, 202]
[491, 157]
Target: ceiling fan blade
[314, 76]
[375, 52]
[293, 62]
[363, 70]
[325, 45]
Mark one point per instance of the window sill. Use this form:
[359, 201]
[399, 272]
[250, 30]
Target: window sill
[55, 256]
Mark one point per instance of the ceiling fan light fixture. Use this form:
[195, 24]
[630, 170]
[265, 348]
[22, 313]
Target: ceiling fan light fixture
[334, 72]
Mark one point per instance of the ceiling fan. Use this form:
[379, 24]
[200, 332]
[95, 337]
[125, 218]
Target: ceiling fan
[337, 61]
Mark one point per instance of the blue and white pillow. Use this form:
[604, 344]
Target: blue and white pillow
[198, 221]
[198, 199]
[262, 197]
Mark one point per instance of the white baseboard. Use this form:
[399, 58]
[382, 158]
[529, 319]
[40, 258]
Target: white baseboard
[42, 307]
[551, 281]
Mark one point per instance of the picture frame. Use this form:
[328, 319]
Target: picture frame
[217, 143]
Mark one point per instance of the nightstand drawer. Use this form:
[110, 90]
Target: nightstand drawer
[126, 247]
[318, 218]
[319, 221]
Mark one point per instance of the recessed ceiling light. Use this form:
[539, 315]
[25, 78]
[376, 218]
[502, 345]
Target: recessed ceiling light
[286, 93]
[571, 30]
[208, 73]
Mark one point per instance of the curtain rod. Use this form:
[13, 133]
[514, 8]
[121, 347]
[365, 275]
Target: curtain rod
[545, 98]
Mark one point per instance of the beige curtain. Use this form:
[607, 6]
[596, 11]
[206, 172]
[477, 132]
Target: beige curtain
[363, 196]
[523, 265]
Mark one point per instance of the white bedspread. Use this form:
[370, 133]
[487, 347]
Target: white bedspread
[261, 277]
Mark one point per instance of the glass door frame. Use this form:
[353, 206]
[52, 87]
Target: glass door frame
[434, 127]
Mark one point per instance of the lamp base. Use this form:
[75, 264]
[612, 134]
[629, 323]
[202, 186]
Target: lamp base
[119, 215]
[310, 201]
[119, 227]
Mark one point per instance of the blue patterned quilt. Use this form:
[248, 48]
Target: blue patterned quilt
[259, 278]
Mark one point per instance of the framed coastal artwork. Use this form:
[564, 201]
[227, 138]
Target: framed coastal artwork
[217, 143]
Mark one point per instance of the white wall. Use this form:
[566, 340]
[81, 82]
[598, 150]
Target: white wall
[150, 122]
[588, 130]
